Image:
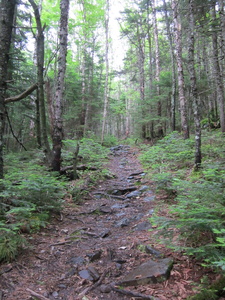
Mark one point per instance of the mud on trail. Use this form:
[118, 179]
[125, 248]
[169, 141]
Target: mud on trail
[96, 245]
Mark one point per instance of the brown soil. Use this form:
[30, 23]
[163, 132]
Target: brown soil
[51, 267]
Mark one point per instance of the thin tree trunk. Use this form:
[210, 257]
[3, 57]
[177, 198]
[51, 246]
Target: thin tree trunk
[173, 93]
[58, 97]
[194, 92]
[157, 64]
[106, 92]
[217, 71]
[182, 99]
[7, 9]
[40, 71]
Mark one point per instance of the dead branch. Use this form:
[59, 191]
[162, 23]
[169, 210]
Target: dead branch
[37, 295]
[132, 294]
[22, 95]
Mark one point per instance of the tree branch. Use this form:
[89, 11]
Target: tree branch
[22, 95]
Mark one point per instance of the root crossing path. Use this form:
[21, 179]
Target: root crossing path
[102, 247]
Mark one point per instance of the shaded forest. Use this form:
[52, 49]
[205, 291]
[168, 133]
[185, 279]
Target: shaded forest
[78, 77]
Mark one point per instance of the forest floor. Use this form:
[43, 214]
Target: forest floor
[86, 251]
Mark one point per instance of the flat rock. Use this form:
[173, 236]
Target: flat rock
[149, 272]
[133, 194]
[149, 198]
[143, 226]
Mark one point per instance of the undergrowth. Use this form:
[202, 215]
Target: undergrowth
[31, 194]
[195, 199]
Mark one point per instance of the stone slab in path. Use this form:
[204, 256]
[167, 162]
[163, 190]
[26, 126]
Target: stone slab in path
[148, 272]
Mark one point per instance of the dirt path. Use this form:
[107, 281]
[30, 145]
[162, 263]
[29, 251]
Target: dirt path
[96, 243]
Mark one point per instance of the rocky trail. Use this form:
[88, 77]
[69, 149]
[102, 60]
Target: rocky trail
[101, 248]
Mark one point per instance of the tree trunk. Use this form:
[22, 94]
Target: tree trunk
[157, 73]
[182, 99]
[7, 9]
[40, 75]
[173, 92]
[57, 134]
[106, 92]
[194, 92]
[217, 71]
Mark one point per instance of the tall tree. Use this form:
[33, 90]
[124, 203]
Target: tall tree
[217, 68]
[180, 71]
[57, 134]
[106, 92]
[194, 91]
[40, 76]
[7, 9]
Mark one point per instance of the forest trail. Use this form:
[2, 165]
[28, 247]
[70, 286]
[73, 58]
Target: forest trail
[95, 243]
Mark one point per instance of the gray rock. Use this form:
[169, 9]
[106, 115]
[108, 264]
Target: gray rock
[149, 272]
[105, 233]
[149, 199]
[85, 274]
[144, 188]
[123, 222]
[133, 194]
[119, 206]
[94, 256]
[77, 260]
[105, 288]
[151, 250]
[143, 226]
[94, 273]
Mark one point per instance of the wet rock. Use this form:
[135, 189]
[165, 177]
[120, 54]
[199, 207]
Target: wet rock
[151, 250]
[143, 226]
[149, 199]
[149, 272]
[105, 288]
[123, 222]
[133, 194]
[94, 256]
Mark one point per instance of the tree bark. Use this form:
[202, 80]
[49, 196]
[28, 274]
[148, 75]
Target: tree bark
[106, 92]
[57, 134]
[7, 9]
[217, 71]
[40, 75]
[194, 92]
[182, 99]
[172, 55]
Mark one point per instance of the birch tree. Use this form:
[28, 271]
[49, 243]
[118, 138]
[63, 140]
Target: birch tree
[180, 71]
